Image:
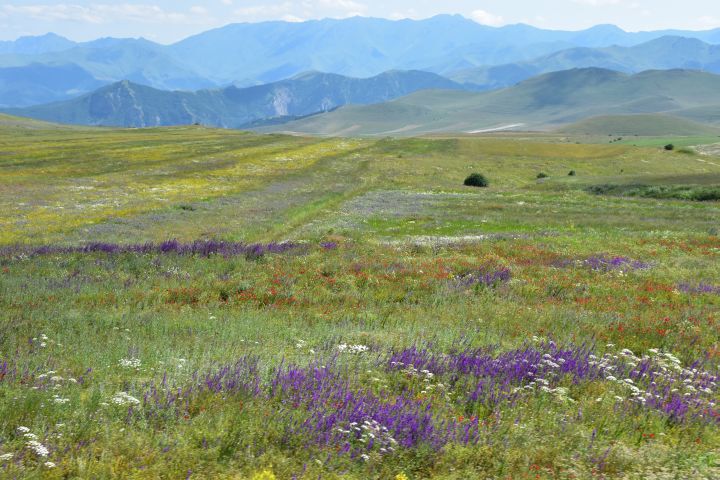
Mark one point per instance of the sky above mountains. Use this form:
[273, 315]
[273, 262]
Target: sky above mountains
[166, 21]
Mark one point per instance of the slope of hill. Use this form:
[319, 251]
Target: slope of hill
[541, 103]
[37, 83]
[131, 105]
[640, 125]
[660, 54]
[10, 122]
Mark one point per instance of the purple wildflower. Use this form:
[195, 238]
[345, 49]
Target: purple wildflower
[481, 278]
[699, 288]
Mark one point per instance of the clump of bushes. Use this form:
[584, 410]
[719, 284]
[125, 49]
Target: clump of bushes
[669, 147]
[695, 193]
[476, 180]
[571, 173]
[542, 175]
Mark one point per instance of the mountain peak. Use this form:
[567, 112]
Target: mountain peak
[606, 28]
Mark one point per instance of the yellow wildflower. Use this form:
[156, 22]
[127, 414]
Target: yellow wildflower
[264, 475]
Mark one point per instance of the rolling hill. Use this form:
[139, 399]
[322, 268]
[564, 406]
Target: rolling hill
[542, 103]
[660, 54]
[641, 125]
[131, 105]
[10, 122]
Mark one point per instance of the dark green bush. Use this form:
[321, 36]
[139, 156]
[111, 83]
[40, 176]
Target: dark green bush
[572, 173]
[542, 175]
[476, 180]
[694, 193]
[669, 147]
[706, 195]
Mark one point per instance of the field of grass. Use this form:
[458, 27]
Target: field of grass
[194, 303]
[641, 125]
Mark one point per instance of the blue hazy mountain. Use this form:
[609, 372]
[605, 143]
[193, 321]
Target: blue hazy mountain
[255, 53]
[669, 52]
[128, 104]
[37, 83]
[36, 45]
[366, 46]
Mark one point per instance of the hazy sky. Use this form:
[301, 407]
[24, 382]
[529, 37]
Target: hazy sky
[170, 20]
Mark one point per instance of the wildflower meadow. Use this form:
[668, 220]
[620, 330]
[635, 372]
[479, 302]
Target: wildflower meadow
[191, 304]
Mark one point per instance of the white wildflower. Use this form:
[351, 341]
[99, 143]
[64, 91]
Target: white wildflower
[39, 449]
[130, 362]
[123, 398]
[345, 348]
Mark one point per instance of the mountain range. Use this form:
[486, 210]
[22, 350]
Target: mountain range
[127, 104]
[668, 52]
[545, 102]
[257, 53]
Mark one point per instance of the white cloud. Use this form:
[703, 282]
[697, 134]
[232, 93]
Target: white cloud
[487, 18]
[708, 21]
[303, 10]
[103, 13]
[411, 13]
[198, 10]
[600, 3]
[292, 19]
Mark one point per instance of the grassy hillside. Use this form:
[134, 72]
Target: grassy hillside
[544, 102]
[407, 327]
[13, 123]
[639, 125]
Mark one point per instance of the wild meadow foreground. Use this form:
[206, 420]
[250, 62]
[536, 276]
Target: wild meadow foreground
[191, 303]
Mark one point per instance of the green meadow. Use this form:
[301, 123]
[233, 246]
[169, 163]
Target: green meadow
[350, 310]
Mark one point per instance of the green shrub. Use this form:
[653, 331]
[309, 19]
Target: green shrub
[572, 173]
[476, 180]
[542, 175]
[679, 192]
[705, 195]
[669, 147]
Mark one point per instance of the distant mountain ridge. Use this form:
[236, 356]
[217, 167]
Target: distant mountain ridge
[542, 103]
[127, 104]
[663, 53]
[257, 53]
[29, 45]
[34, 83]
